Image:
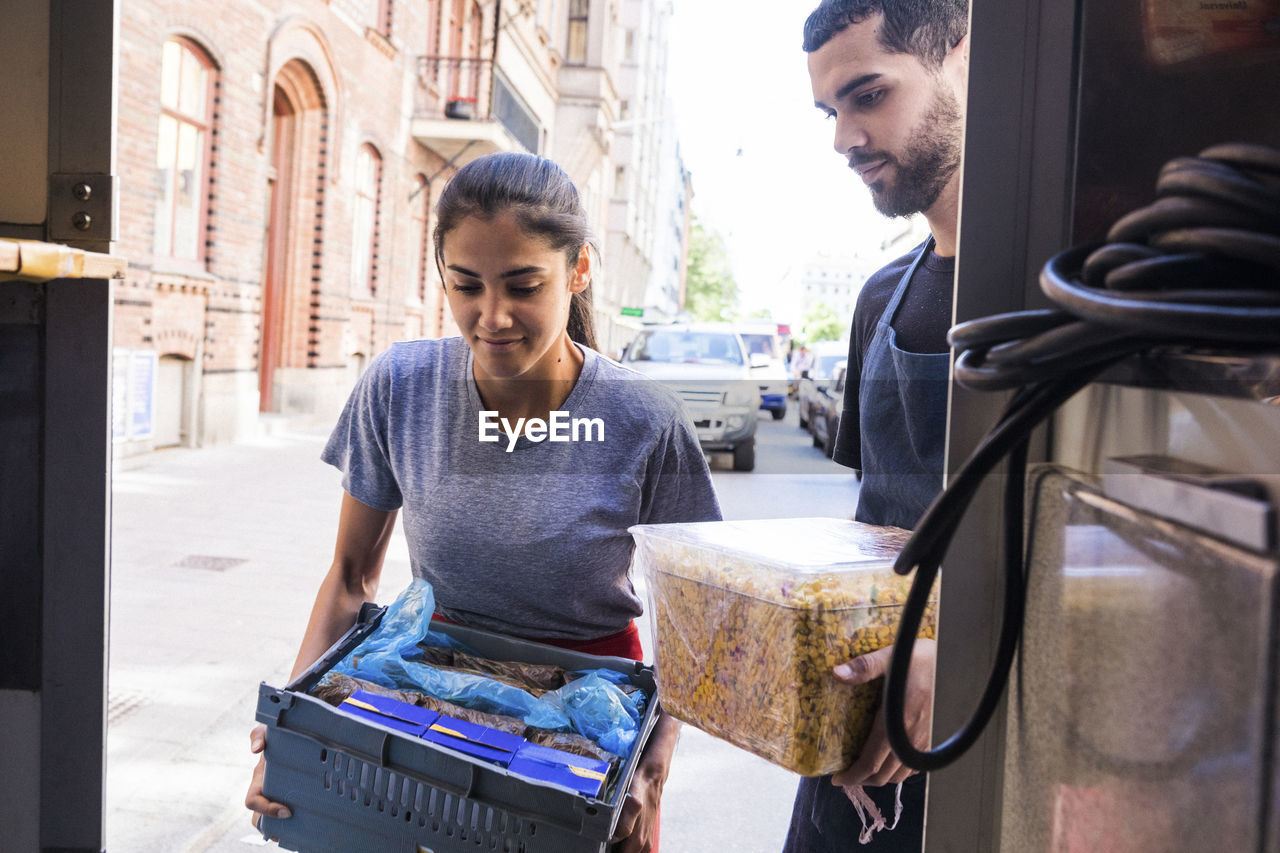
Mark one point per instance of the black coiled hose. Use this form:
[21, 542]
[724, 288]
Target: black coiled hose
[1199, 267]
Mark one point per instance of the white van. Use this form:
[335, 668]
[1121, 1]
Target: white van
[761, 337]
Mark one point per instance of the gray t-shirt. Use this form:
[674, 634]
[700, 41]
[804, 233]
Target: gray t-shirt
[531, 542]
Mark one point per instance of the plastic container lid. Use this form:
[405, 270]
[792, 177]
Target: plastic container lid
[777, 558]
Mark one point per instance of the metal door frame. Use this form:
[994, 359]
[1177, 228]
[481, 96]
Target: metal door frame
[1015, 208]
[57, 719]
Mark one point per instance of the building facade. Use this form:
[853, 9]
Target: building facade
[664, 298]
[835, 281]
[644, 195]
[278, 165]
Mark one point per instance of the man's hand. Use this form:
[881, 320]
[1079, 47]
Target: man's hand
[877, 765]
[254, 800]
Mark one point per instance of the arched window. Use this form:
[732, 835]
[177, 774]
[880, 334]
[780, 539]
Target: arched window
[364, 243]
[182, 149]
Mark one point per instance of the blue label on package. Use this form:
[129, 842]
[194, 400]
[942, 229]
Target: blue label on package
[392, 713]
[472, 739]
[576, 772]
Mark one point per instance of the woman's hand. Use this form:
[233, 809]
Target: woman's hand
[363, 534]
[877, 765]
[254, 800]
[638, 825]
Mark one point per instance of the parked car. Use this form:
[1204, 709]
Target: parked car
[826, 404]
[708, 366]
[761, 338]
[827, 355]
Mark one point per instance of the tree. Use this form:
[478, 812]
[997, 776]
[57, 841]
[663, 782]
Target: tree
[821, 324]
[711, 292]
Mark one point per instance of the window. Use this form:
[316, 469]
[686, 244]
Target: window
[364, 243]
[457, 9]
[182, 149]
[576, 51]
[469, 77]
[433, 27]
[475, 30]
[422, 232]
[464, 24]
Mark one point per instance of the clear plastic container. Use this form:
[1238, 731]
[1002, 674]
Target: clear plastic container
[750, 617]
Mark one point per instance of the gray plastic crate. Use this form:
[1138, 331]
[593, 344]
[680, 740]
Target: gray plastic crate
[357, 787]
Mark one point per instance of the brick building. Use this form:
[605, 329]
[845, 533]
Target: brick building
[277, 165]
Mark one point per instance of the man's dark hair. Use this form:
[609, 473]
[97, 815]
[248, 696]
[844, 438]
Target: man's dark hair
[926, 29]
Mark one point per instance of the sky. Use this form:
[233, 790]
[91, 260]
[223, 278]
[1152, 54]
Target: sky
[765, 174]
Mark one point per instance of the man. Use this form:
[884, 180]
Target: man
[891, 74]
[801, 360]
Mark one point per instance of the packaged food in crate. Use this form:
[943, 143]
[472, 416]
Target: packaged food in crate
[370, 768]
[750, 617]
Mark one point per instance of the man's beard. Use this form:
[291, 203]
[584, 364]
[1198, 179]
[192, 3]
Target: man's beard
[931, 158]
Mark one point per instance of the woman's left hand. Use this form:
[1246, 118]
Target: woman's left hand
[638, 825]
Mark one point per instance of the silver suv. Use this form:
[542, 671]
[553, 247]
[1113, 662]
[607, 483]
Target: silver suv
[707, 365]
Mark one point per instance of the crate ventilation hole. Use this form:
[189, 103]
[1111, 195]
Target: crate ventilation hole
[399, 797]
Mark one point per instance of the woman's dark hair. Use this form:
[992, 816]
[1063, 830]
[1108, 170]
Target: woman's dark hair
[544, 202]
[926, 29]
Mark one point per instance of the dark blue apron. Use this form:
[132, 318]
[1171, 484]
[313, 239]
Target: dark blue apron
[902, 408]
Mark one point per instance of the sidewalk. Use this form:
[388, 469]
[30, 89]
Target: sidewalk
[216, 557]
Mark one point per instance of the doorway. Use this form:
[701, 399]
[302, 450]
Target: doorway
[171, 400]
[293, 253]
[284, 121]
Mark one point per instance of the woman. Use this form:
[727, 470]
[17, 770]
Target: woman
[525, 534]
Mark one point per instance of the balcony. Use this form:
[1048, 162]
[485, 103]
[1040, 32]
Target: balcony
[464, 109]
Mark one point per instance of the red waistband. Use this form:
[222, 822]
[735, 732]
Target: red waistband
[624, 644]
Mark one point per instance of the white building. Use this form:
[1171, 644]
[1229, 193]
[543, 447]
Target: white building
[836, 280]
[664, 298]
[833, 282]
[583, 82]
[644, 251]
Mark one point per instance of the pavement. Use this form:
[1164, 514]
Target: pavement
[216, 557]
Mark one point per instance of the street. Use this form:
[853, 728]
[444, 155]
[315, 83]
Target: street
[216, 556]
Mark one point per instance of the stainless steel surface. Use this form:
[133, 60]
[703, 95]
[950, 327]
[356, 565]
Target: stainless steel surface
[1218, 504]
[1140, 714]
[1072, 109]
[1250, 376]
[1015, 212]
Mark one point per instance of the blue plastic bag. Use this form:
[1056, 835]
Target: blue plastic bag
[599, 710]
[405, 624]
[592, 705]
